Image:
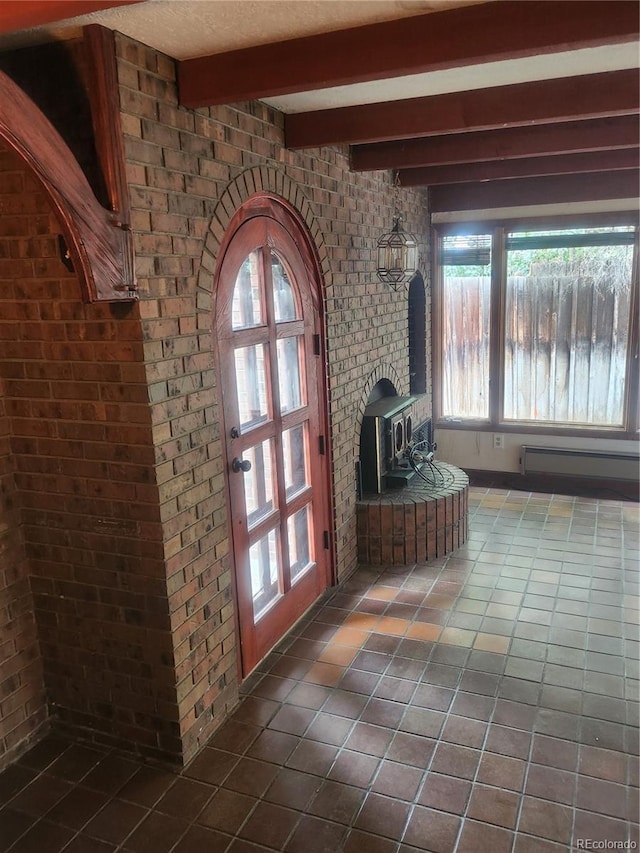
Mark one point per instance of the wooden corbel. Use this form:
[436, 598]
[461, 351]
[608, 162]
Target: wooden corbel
[99, 241]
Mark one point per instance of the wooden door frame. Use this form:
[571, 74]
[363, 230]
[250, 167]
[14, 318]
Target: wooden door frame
[279, 209]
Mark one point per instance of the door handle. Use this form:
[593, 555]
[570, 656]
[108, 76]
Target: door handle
[240, 465]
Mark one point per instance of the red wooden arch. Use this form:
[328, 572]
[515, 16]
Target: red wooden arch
[100, 244]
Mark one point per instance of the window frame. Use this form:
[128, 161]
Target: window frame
[496, 422]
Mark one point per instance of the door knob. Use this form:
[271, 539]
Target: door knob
[239, 465]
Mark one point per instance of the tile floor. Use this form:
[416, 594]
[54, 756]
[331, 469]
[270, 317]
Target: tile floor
[484, 703]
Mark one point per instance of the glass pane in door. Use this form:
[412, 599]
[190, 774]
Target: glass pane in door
[258, 483]
[299, 545]
[246, 308]
[284, 304]
[263, 560]
[289, 374]
[293, 449]
[251, 384]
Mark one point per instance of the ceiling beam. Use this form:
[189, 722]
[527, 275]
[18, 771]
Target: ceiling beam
[587, 96]
[473, 147]
[486, 32]
[20, 15]
[562, 164]
[552, 189]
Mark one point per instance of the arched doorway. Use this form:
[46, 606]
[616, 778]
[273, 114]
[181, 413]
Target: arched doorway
[268, 326]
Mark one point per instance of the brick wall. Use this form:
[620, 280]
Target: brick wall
[77, 455]
[22, 703]
[188, 172]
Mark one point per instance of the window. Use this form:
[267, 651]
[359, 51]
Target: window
[538, 328]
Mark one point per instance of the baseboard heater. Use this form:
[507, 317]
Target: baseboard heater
[597, 464]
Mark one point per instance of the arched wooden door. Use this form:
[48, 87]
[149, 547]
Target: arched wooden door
[268, 329]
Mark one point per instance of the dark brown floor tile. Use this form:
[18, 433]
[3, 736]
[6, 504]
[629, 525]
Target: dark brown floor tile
[147, 786]
[371, 661]
[546, 819]
[442, 675]
[312, 757]
[383, 643]
[506, 741]
[75, 763]
[344, 703]
[433, 697]
[516, 715]
[292, 720]
[554, 752]
[185, 799]
[372, 740]
[476, 837]
[78, 807]
[307, 696]
[417, 649]
[402, 667]
[110, 774]
[211, 766]
[84, 844]
[292, 788]
[234, 736]
[14, 779]
[423, 722]
[358, 681]
[518, 690]
[548, 783]
[44, 753]
[602, 797]
[354, 768]
[291, 668]
[431, 830]
[603, 764]
[272, 687]
[492, 805]
[270, 825]
[337, 802]
[198, 839]
[255, 711]
[501, 771]
[251, 777]
[226, 811]
[382, 712]
[395, 689]
[603, 734]
[115, 821]
[329, 729]
[464, 731]
[455, 760]
[599, 828]
[314, 835]
[273, 746]
[359, 842]
[42, 836]
[397, 780]
[529, 844]
[156, 834]
[40, 796]
[383, 816]
[239, 845]
[411, 749]
[14, 824]
[472, 705]
[479, 682]
[445, 793]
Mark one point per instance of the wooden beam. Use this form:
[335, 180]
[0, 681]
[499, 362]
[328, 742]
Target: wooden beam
[553, 189]
[20, 15]
[471, 35]
[541, 140]
[588, 96]
[559, 164]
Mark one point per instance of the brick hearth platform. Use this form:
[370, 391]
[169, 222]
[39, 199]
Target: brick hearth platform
[416, 523]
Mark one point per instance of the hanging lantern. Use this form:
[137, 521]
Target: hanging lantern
[397, 256]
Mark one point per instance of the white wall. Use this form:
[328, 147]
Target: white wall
[475, 450]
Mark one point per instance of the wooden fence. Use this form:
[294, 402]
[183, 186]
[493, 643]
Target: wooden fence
[565, 349]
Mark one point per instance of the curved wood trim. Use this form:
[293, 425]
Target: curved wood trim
[102, 253]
